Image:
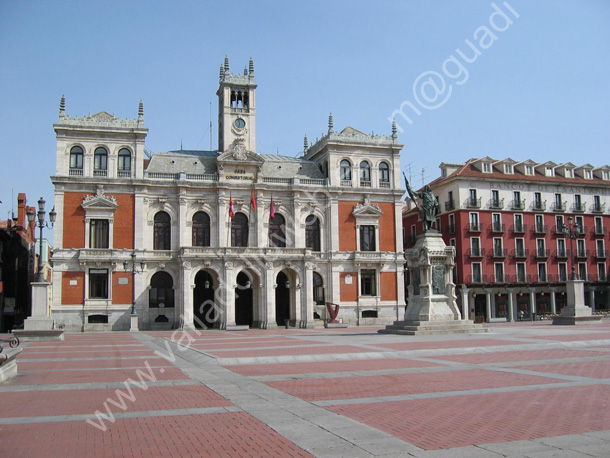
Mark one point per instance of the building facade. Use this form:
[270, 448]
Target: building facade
[518, 228]
[228, 237]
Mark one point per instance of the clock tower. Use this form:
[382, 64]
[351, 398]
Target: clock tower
[237, 109]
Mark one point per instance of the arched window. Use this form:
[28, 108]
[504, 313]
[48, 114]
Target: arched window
[76, 160]
[277, 233]
[318, 289]
[312, 233]
[346, 171]
[124, 166]
[161, 290]
[365, 174]
[162, 236]
[100, 161]
[384, 175]
[201, 229]
[239, 230]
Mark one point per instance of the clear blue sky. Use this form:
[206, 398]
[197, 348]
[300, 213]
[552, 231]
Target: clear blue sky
[538, 88]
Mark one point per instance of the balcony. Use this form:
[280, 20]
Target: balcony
[598, 208]
[601, 254]
[542, 253]
[578, 208]
[560, 230]
[499, 252]
[495, 204]
[472, 203]
[346, 183]
[476, 253]
[100, 173]
[450, 205]
[477, 279]
[544, 278]
[539, 206]
[473, 227]
[599, 230]
[520, 253]
[496, 227]
[520, 228]
[559, 206]
[561, 254]
[124, 174]
[581, 229]
[518, 278]
[582, 253]
[365, 183]
[541, 228]
[76, 172]
[517, 204]
[450, 229]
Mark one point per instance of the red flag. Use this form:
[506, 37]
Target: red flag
[231, 208]
[253, 200]
[272, 211]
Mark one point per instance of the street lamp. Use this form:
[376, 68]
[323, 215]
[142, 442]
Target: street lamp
[572, 230]
[41, 224]
[134, 271]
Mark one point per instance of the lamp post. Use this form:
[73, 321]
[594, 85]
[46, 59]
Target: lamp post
[42, 224]
[134, 271]
[572, 231]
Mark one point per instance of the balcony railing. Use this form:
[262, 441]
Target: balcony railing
[450, 205]
[124, 173]
[476, 253]
[496, 204]
[100, 173]
[450, 229]
[541, 278]
[519, 228]
[540, 228]
[365, 183]
[581, 229]
[561, 253]
[539, 206]
[601, 254]
[76, 172]
[478, 279]
[599, 230]
[473, 227]
[559, 206]
[499, 252]
[520, 253]
[496, 227]
[346, 183]
[578, 208]
[517, 204]
[598, 208]
[472, 203]
[582, 253]
[559, 229]
[542, 253]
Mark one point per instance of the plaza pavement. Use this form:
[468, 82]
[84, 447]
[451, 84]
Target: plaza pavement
[521, 390]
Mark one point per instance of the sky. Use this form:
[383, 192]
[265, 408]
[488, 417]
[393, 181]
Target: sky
[464, 79]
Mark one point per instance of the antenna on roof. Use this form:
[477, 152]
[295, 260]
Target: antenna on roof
[181, 145]
[423, 176]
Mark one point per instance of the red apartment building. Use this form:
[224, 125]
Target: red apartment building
[510, 223]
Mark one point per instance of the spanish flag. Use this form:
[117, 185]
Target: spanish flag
[253, 200]
[231, 208]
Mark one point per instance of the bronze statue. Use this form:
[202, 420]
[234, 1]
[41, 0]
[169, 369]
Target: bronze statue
[429, 207]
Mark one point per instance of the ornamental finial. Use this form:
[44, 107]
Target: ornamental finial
[394, 130]
[331, 124]
[141, 111]
[222, 72]
[305, 143]
[62, 106]
[251, 67]
[226, 64]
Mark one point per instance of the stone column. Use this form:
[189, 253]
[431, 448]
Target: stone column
[533, 302]
[307, 291]
[229, 297]
[269, 296]
[553, 301]
[488, 303]
[511, 304]
[592, 298]
[224, 237]
[181, 226]
[465, 303]
[186, 299]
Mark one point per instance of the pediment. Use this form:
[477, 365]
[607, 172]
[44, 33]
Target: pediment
[99, 201]
[238, 153]
[367, 210]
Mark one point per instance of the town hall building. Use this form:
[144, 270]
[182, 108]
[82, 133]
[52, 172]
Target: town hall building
[220, 239]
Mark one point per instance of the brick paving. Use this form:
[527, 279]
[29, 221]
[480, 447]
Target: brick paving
[313, 392]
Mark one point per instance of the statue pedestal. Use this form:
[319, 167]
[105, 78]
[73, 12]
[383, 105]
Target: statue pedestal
[432, 307]
[576, 312]
[39, 326]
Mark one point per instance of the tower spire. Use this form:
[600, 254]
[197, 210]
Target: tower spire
[222, 72]
[62, 106]
[251, 67]
[226, 64]
[305, 143]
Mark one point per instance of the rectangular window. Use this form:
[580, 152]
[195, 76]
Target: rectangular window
[559, 224]
[495, 198]
[582, 271]
[601, 271]
[569, 173]
[541, 271]
[475, 246]
[578, 203]
[588, 175]
[451, 227]
[580, 222]
[368, 282]
[563, 271]
[580, 248]
[476, 272]
[367, 238]
[472, 197]
[519, 223]
[508, 168]
[521, 272]
[561, 248]
[98, 233]
[529, 170]
[599, 226]
[498, 248]
[98, 284]
[540, 247]
[540, 224]
[538, 201]
[520, 247]
[599, 248]
[499, 272]
[474, 222]
[496, 222]
[486, 167]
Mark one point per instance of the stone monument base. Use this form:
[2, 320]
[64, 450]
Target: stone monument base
[577, 320]
[8, 364]
[414, 328]
[29, 335]
[335, 325]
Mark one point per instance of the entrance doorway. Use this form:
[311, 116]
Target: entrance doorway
[282, 299]
[204, 309]
[243, 301]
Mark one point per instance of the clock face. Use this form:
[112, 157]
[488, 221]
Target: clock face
[240, 123]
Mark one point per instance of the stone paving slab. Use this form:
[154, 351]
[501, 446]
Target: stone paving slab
[525, 389]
